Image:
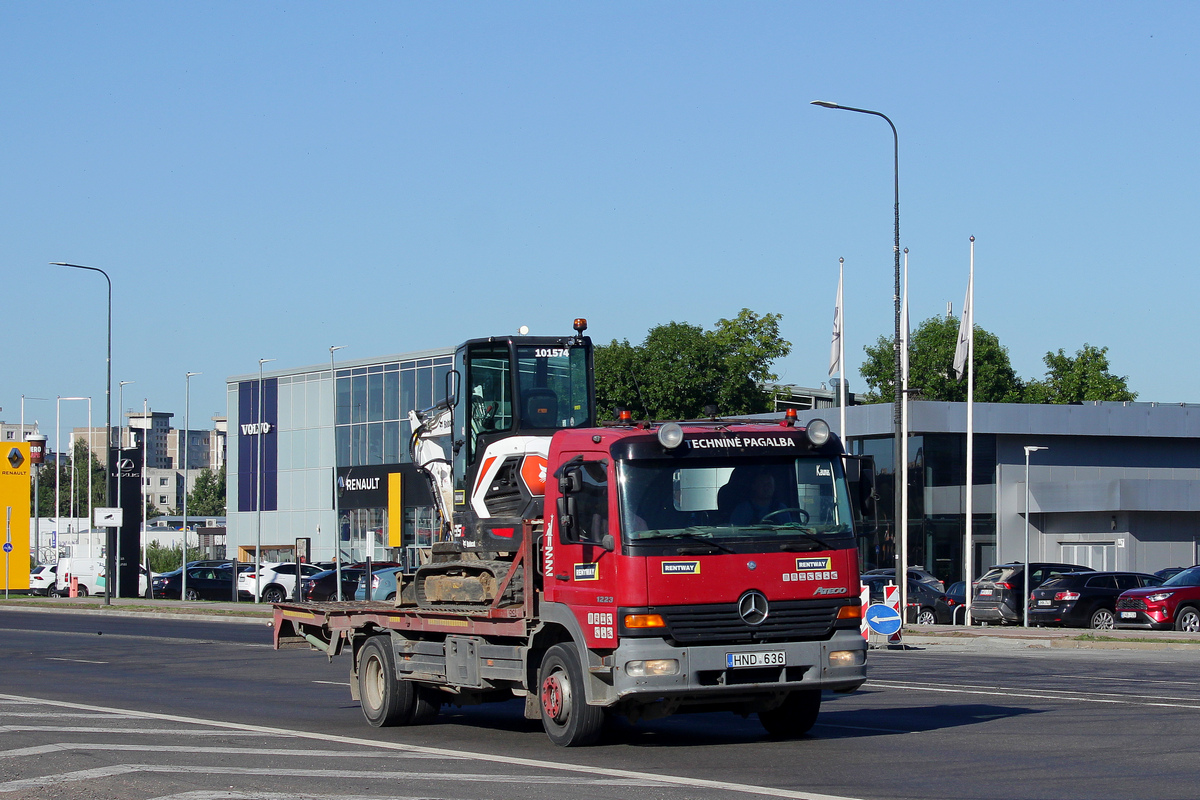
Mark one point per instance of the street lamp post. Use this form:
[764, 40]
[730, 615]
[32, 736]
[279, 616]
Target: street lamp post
[185, 453]
[897, 408]
[108, 560]
[1025, 603]
[337, 522]
[259, 491]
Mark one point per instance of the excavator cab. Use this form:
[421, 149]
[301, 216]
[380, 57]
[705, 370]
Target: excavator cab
[513, 393]
[505, 399]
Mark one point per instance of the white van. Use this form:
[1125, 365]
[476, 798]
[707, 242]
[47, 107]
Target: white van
[89, 571]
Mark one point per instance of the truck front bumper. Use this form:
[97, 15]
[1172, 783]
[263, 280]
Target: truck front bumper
[651, 669]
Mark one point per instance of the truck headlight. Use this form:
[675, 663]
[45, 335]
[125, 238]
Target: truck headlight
[847, 658]
[652, 667]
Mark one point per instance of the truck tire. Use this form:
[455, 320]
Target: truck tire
[566, 717]
[382, 703]
[425, 703]
[795, 717]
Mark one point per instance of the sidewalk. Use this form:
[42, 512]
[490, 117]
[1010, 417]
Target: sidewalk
[246, 613]
[976, 637]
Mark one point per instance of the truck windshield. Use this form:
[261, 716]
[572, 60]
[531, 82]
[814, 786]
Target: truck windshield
[793, 503]
[552, 383]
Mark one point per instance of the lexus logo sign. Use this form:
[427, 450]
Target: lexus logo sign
[752, 607]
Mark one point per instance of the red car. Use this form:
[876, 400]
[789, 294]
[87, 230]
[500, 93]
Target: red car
[1175, 604]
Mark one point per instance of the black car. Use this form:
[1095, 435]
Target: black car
[321, 587]
[950, 607]
[1000, 592]
[1084, 599]
[203, 583]
[921, 600]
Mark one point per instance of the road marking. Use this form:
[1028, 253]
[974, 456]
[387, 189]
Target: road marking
[333, 683]
[483, 777]
[141, 638]
[247, 729]
[62, 747]
[232, 795]
[1028, 694]
[162, 731]
[76, 660]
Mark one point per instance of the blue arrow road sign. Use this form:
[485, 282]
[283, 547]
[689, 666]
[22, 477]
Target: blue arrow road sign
[882, 619]
[8, 547]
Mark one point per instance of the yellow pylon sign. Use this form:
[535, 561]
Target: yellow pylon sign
[14, 513]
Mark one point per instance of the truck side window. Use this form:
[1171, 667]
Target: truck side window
[590, 522]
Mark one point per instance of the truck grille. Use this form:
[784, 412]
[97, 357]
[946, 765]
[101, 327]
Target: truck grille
[719, 623]
[1131, 602]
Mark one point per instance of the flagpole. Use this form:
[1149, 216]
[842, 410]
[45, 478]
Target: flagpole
[902, 572]
[968, 557]
[841, 312]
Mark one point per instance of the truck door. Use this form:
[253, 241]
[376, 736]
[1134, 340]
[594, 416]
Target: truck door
[584, 568]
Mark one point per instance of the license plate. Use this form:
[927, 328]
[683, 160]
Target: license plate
[771, 658]
[1128, 615]
[985, 592]
[1044, 602]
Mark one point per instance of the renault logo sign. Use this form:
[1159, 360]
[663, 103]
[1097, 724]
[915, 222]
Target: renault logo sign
[752, 607]
[15, 458]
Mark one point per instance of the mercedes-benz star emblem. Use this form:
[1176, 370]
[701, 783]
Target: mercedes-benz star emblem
[752, 607]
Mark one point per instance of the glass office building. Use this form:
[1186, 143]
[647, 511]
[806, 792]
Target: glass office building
[295, 433]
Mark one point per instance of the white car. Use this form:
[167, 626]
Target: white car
[276, 581]
[43, 579]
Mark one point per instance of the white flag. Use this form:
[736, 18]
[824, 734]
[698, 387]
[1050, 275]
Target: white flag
[964, 327]
[835, 360]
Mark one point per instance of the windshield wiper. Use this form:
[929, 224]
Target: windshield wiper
[692, 537]
[792, 546]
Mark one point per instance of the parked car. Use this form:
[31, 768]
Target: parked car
[203, 583]
[276, 582]
[383, 584]
[1084, 599]
[322, 587]
[920, 601]
[949, 607]
[1169, 572]
[914, 574]
[1000, 592]
[1174, 604]
[43, 579]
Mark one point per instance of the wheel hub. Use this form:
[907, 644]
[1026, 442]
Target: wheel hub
[555, 696]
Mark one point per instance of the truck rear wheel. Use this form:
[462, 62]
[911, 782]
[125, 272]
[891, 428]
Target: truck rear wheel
[384, 703]
[566, 717]
[795, 717]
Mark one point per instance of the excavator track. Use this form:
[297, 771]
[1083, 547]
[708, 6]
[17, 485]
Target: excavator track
[448, 584]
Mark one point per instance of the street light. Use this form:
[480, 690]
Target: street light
[1029, 448]
[259, 492]
[107, 417]
[897, 411]
[337, 522]
[187, 403]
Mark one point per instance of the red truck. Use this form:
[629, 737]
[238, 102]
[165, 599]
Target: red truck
[640, 569]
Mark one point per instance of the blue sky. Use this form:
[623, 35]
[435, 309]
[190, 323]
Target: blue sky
[264, 180]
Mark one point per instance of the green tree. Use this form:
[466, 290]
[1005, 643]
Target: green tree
[680, 368]
[164, 558]
[1083, 377]
[82, 458]
[931, 361]
[207, 498]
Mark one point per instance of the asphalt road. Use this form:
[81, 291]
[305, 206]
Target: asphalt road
[121, 708]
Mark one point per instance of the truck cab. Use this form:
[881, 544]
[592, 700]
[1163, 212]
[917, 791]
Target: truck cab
[706, 565]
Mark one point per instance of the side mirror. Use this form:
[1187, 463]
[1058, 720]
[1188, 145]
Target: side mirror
[860, 475]
[566, 518]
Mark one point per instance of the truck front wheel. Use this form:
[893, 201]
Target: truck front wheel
[567, 718]
[795, 717]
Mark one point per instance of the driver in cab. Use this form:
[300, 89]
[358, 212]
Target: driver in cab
[760, 504]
